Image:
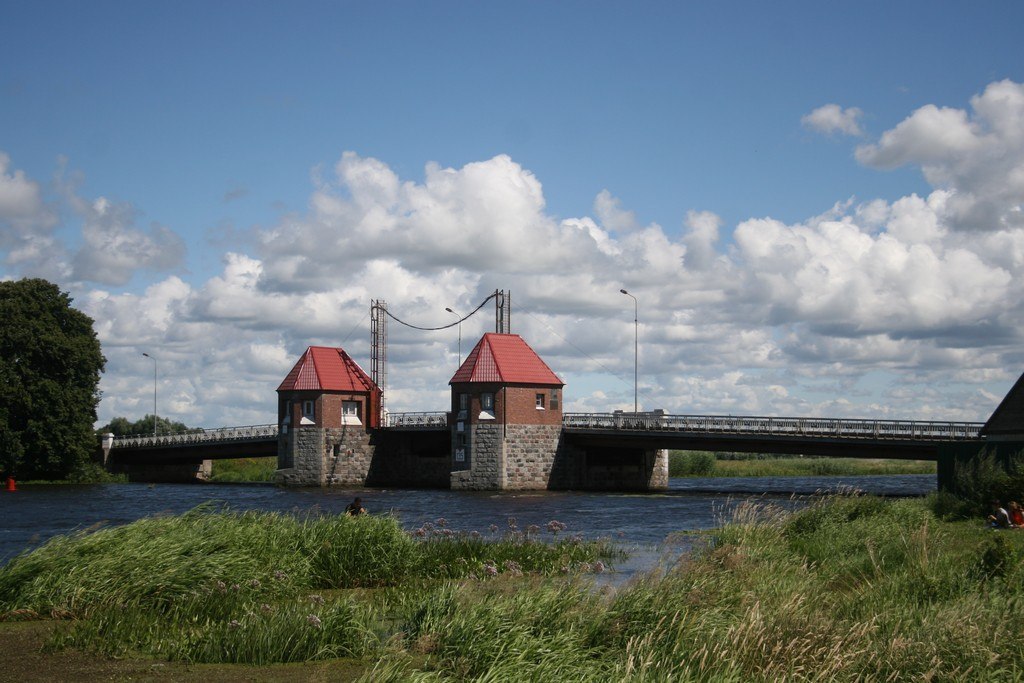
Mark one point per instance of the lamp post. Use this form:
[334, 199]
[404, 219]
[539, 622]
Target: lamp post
[636, 346]
[460, 332]
[154, 389]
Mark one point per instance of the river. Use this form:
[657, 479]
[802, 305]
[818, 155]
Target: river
[644, 524]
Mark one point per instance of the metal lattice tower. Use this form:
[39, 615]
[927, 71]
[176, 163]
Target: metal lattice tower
[502, 312]
[379, 348]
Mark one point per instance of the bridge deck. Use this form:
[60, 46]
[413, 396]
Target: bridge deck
[654, 425]
[811, 427]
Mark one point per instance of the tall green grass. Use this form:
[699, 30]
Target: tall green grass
[708, 464]
[159, 560]
[849, 588]
[217, 586]
[856, 589]
[243, 470]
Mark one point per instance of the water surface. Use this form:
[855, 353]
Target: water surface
[645, 524]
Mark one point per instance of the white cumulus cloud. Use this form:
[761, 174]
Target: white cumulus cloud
[976, 156]
[895, 308]
[831, 119]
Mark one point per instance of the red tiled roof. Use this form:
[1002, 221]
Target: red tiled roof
[323, 368]
[506, 359]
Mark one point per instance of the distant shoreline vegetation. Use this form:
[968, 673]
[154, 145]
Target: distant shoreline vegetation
[709, 464]
[681, 464]
[243, 471]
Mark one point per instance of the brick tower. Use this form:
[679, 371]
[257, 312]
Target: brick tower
[326, 407]
[507, 417]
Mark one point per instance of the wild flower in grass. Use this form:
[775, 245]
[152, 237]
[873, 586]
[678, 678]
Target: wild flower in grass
[474, 534]
[490, 569]
[254, 583]
[564, 569]
[420, 533]
[493, 528]
[599, 567]
[266, 609]
[512, 567]
[234, 624]
[314, 621]
[280, 575]
[532, 530]
[222, 587]
[316, 599]
[512, 523]
[554, 526]
[442, 522]
[585, 567]
[235, 587]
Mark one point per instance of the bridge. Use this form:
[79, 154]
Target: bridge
[509, 431]
[837, 437]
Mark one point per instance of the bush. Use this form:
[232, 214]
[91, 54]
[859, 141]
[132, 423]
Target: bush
[949, 506]
[987, 477]
[691, 464]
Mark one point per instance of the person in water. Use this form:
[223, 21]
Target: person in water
[355, 508]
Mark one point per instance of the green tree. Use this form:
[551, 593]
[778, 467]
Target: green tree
[122, 426]
[50, 365]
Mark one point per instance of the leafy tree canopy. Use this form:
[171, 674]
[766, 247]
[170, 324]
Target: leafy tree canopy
[122, 426]
[50, 365]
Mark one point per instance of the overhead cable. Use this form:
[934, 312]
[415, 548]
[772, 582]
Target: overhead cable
[442, 327]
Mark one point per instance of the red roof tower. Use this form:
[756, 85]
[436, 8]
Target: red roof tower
[322, 377]
[323, 368]
[505, 359]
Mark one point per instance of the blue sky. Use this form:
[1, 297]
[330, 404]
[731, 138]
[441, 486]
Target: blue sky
[211, 129]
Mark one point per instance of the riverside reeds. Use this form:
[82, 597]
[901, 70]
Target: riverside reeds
[707, 464]
[215, 585]
[243, 470]
[849, 588]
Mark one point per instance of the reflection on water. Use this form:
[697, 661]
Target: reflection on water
[640, 523]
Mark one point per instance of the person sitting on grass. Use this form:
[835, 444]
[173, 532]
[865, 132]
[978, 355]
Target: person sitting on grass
[1016, 514]
[1000, 518]
[355, 508]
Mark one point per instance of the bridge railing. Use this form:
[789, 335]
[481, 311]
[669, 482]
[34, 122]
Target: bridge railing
[776, 426]
[414, 420]
[222, 434]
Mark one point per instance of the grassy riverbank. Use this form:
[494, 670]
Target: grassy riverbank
[243, 470]
[847, 589]
[706, 464]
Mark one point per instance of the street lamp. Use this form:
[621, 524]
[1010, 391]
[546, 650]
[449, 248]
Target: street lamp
[636, 346]
[154, 389]
[460, 332]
